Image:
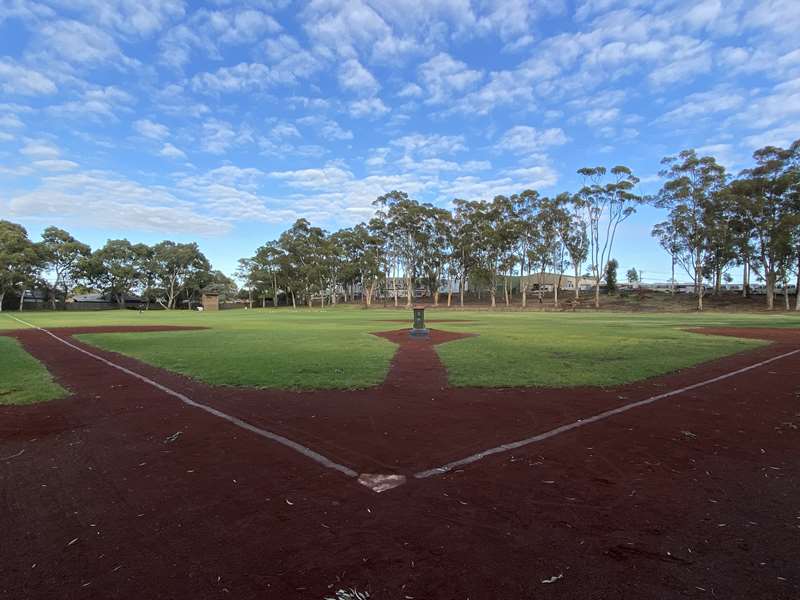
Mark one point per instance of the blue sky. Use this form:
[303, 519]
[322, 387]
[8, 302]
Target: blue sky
[224, 121]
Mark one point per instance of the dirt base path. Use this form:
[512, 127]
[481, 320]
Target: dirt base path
[121, 491]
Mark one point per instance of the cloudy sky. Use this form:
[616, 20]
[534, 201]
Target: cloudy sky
[223, 122]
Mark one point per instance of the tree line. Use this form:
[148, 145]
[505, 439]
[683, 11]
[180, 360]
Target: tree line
[715, 222]
[167, 274]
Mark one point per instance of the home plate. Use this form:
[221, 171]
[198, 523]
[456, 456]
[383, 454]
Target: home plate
[381, 483]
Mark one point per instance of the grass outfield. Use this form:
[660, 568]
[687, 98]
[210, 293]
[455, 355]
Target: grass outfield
[310, 349]
[23, 379]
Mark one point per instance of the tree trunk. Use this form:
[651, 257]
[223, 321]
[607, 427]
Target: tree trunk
[22, 299]
[449, 294]
[264, 301]
[2, 295]
[524, 286]
[746, 278]
[555, 289]
[786, 293]
[770, 290]
[409, 284]
[597, 293]
[294, 301]
[796, 287]
[461, 291]
[577, 284]
[121, 302]
[698, 284]
[394, 285]
[505, 289]
[672, 280]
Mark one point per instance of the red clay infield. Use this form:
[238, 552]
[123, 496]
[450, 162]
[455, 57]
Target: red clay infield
[123, 491]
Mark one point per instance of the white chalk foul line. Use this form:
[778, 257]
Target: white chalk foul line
[307, 452]
[587, 421]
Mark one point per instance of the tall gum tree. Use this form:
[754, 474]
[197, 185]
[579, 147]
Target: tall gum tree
[767, 200]
[605, 201]
[693, 193]
[62, 254]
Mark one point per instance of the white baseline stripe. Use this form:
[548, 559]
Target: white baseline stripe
[307, 452]
[593, 419]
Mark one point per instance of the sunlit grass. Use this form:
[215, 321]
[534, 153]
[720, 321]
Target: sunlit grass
[333, 349]
[23, 379]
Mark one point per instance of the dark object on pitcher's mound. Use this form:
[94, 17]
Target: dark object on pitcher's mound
[419, 329]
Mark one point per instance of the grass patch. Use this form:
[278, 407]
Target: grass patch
[589, 349]
[333, 349]
[266, 349]
[23, 379]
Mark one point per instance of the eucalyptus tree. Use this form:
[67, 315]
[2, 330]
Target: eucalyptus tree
[265, 272]
[245, 270]
[176, 266]
[693, 193]
[465, 241]
[62, 254]
[434, 247]
[405, 225]
[21, 260]
[526, 206]
[556, 226]
[367, 254]
[378, 229]
[301, 260]
[768, 203]
[496, 238]
[115, 269]
[544, 242]
[572, 231]
[606, 200]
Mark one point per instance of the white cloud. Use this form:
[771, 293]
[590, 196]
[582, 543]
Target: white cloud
[217, 136]
[285, 130]
[696, 106]
[170, 151]
[689, 57]
[210, 31]
[77, 43]
[19, 80]
[410, 90]
[83, 197]
[95, 103]
[140, 17]
[368, 107]
[430, 145]
[510, 182]
[314, 178]
[327, 128]
[40, 149]
[347, 28]
[289, 62]
[444, 78]
[11, 122]
[525, 139]
[150, 129]
[354, 77]
[782, 137]
[55, 165]
[240, 78]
